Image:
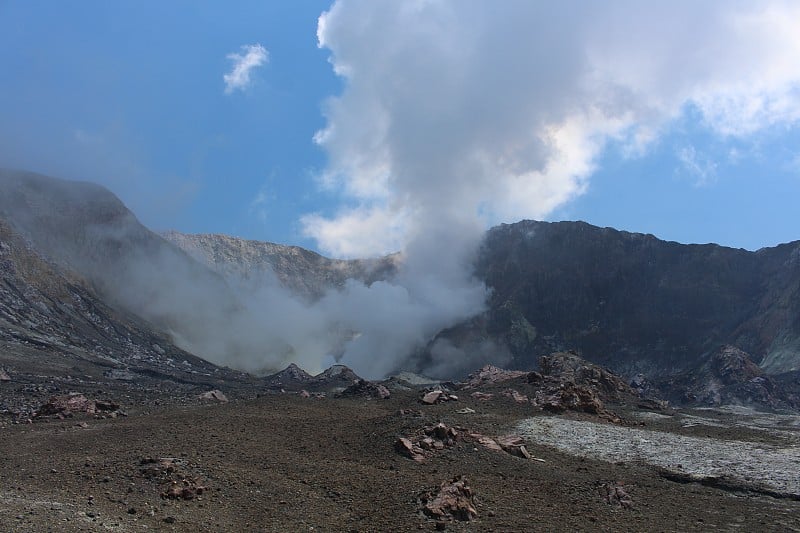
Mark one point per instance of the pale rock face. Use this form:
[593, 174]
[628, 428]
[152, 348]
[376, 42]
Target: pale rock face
[255, 264]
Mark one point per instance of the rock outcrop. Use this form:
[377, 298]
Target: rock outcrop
[365, 389]
[257, 264]
[729, 376]
[455, 500]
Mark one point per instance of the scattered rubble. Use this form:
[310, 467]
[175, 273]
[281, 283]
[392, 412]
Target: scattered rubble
[173, 474]
[365, 389]
[438, 437]
[430, 439]
[215, 396]
[158, 468]
[455, 500]
[185, 489]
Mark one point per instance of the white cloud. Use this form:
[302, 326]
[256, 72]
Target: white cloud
[380, 231]
[699, 166]
[260, 204]
[252, 56]
[460, 112]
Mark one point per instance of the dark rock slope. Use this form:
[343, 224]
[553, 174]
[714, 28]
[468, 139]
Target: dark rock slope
[53, 325]
[633, 302]
[83, 228]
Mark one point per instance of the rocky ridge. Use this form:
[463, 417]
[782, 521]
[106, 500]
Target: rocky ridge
[256, 264]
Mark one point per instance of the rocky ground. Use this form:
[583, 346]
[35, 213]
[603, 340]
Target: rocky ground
[299, 461]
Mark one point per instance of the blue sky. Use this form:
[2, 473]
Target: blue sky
[440, 113]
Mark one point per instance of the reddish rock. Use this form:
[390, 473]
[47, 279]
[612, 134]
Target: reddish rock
[615, 494]
[487, 442]
[186, 489]
[455, 500]
[405, 447]
[482, 396]
[4, 375]
[305, 394]
[489, 375]
[66, 405]
[366, 389]
[516, 396]
[215, 396]
[513, 444]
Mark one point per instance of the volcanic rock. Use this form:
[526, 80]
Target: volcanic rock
[570, 367]
[437, 396]
[516, 396]
[366, 389]
[4, 375]
[636, 303]
[490, 375]
[292, 377]
[615, 494]
[406, 447]
[337, 376]
[513, 444]
[455, 500]
[729, 376]
[68, 404]
[214, 395]
[185, 489]
[430, 398]
[482, 396]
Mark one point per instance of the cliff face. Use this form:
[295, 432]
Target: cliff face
[255, 264]
[635, 303]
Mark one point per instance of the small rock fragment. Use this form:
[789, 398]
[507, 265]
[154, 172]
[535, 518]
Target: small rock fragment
[615, 494]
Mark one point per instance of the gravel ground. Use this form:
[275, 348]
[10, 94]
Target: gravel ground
[285, 463]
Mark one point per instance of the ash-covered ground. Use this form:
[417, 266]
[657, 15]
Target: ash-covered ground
[569, 449]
